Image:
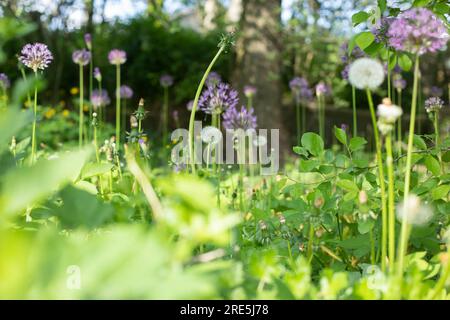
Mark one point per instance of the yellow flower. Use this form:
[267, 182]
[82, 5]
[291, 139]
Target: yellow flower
[65, 113]
[74, 91]
[50, 113]
[85, 108]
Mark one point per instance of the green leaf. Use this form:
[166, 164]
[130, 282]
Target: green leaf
[382, 4]
[300, 151]
[433, 165]
[392, 60]
[442, 8]
[364, 39]
[446, 156]
[26, 186]
[308, 165]
[440, 192]
[365, 225]
[92, 169]
[347, 185]
[421, 3]
[11, 121]
[340, 135]
[419, 143]
[359, 17]
[405, 62]
[313, 143]
[357, 143]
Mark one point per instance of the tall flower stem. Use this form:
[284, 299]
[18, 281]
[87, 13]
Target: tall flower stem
[384, 220]
[91, 81]
[81, 111]
[249, 102]
[165, 114]
[355, 118]
[320, 116]
[303, 119]
[97, 156]
[118, 114]
[389, 75]
[443, 279]
[391, 200]
[405, 225]
[399, 125]
[194, 108]
[437, 137]
[33, 133]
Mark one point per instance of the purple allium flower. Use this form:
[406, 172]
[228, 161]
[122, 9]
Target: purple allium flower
[433, 104]
[36, 56]
[323, 89]
[100, 98]
[88, 40]
[166, 80]
[250, 91]
[126, 92]
[399, 83]
[189, 105]
[215, 100]
[4, 81]
[381, 29]
[117, 57]
[81, 57]
[436, 91]
[243, 119]
[417, 30]
[97, 74]
[301, 89]
[213, 79]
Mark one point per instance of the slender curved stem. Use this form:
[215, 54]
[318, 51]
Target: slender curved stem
[391, 200]
[405, 225]
[33, 133]
[81, 115]
[194, 108]
[165, 115]
[384, 221]
[118, 113]
[297, 113]
[355, 118]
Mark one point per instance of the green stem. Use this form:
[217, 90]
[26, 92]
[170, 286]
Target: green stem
[437, 137]
[405, 229]
[399, 124]
[355, 118]
[97, 156]
[442, 280]
[165, 114]
[81, 111]
[384, 231]
[194, 108]
[90, 92]
[391, 200]
[389, 74]
[310, 243]
[33, 133]
[118, 107]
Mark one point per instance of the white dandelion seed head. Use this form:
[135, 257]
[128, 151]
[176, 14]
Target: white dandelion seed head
[366, 73]
[414, 211]
[211, 135]
[388, 112]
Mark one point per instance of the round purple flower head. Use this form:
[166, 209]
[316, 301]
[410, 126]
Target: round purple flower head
[4, 81]
[97, 74]
[88, 40]
[381, 29]
[250, 91]
[322, 89]
[418, 31]
[436, 91]
[433, 104]
[243, 119]
[100, 98]
[399, 83]
[117, 57]
[36, 56]
[347, 58]
[81, 57]
[166, 80]
[126, 92]
[215, 100]
[300, 88]
[213, 79]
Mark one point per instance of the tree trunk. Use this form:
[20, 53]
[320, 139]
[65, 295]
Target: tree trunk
[258, 62]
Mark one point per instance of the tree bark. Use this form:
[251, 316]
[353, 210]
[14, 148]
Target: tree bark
[258, 62]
